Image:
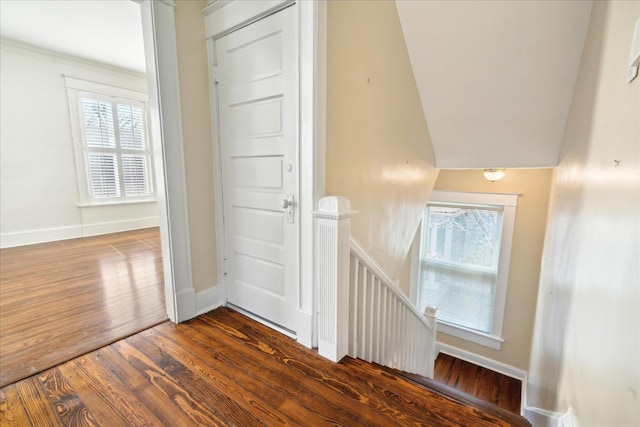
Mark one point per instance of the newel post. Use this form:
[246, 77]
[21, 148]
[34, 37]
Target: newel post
[430, 313]
[331, 275]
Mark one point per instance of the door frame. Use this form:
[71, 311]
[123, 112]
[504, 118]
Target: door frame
[159, 33]
[224, 16]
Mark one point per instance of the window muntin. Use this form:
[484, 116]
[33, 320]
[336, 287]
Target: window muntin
[116, 149]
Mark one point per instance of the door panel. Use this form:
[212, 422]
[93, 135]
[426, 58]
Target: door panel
[258, 107]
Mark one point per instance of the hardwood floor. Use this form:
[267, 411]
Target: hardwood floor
[500, 390]
[62, 299]
[223, 368]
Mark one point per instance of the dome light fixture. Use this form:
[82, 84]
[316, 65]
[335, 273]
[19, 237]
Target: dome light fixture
[494, 174]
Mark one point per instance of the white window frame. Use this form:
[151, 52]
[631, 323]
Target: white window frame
[508, 204]
[75, 89]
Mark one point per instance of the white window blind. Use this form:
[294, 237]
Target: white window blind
[462, 262]
[115, 143]
[459, 265]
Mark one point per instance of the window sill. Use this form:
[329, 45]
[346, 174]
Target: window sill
[115, 203]
[486, 340]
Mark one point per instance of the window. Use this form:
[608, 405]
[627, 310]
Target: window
[464, 262]
[112, 148]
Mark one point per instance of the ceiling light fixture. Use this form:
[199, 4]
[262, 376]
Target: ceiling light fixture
[494, 174]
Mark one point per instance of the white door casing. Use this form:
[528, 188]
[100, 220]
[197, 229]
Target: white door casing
[158, 23]
[257, 87]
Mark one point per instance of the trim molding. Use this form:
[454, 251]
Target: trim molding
[118, 226]
[542, 417]
[43, 235]
[312, 102]
[508, 204]
[30, 237]
[225, 16]
[28, 49]
[165, 125]
[210, 299]
[305, 336]
[485, 362]
[186, 305]
[470, 335]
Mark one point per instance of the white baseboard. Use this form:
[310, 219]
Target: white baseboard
[210, 299]
[485, 362]
[542, 418]
[30, 237]
[305, 332]
[118, 226]
[186, 305]
[42, 235]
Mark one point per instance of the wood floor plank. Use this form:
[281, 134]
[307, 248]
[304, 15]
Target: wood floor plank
[158, 403]
[70, 408]
[225, 369]
[246, 365]
[36, 404]
[94, 393]
[310, 394]
[348, 384]
[12, 413]
[221, 395]
[59, 300]
[411, 400]
[483, 407]
[189, 404]
[258, 399]
[316, 372]
[480, 382]
[281, 385]
[113, 394]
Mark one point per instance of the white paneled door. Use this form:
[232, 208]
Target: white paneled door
[257, 77]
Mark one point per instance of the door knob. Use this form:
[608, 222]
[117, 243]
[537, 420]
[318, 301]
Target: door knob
[287, 205]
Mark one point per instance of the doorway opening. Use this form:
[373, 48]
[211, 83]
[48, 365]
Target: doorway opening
[76, 274]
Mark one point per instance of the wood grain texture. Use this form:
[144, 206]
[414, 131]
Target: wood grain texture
[474, 386]
[485, 384]
[62, 299]
[225, 369]
[12, 413]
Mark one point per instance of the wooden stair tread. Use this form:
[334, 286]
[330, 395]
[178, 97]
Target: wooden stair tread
[460, 397]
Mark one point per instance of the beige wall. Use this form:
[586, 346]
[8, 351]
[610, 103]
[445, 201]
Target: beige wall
[379, 152]
[533, 185]
[586, 348]
[198, 148]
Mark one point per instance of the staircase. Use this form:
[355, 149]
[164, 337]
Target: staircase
[451, 393]
[361, 312]
[385, 327]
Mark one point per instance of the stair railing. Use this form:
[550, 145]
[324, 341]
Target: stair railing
[361, 312]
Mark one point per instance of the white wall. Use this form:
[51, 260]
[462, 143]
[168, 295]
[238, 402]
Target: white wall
[38, 191]
[586, 346]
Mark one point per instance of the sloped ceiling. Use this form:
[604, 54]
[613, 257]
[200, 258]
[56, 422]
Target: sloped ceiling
[496, 78]
[108, 31]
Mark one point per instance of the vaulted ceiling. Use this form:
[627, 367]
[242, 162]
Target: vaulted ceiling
[496, 78]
